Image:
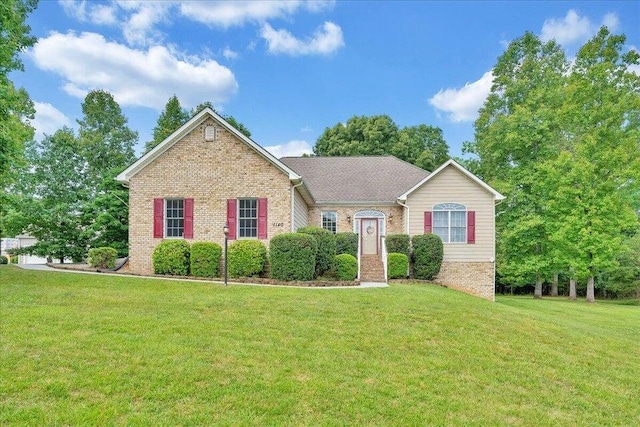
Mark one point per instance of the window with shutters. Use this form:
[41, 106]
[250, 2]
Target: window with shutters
[247, 218]
[450, 222]
[174, 217]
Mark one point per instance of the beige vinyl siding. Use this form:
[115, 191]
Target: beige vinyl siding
[300, 211]
[451, 186]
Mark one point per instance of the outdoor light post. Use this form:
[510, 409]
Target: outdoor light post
[225, 229]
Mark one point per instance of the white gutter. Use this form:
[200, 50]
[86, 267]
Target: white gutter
[293, 200]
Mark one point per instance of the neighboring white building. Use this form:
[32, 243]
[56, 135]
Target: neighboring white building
[21, 241]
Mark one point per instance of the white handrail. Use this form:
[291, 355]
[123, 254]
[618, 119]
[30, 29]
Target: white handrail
[384, 256]
[359, 252]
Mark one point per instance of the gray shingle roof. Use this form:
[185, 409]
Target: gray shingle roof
[355, 179]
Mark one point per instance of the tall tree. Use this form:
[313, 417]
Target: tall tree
[53, 195]
[517, 130]
[172, 117]
[598, 170]
[105, 139]
[15, 106]
[230, 119]
[360, 136]
[421, 145]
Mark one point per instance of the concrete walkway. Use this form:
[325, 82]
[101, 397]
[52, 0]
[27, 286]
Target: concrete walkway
[43, 267]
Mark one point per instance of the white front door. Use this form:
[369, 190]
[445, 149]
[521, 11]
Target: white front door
[369, 235]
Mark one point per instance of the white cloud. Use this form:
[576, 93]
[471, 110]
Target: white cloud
[229, 53]
[48, 119]
[139, 29]
[462, 105]
[325, 40]
[137, 77]
[293, 148]
[232, 13]
[574, 28]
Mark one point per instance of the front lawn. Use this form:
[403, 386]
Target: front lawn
[82, 349]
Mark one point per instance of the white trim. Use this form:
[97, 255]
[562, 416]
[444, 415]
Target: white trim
[125, 176]
[451, 162]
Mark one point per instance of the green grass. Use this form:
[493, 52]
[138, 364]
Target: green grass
[100, 350]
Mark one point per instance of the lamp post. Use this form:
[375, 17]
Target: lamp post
[225, 230]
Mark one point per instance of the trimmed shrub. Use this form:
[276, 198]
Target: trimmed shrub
[103, 257]
[347, 243]
[171, 257]
[398, 243]
[346, 267]
[247, 258]
[427, 256]
[3, 259]
[326, 248]
[14, 259]
[397, 265]
[205, 259]
[293, 256]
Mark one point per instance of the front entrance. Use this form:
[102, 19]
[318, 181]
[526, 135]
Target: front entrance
[369, 236]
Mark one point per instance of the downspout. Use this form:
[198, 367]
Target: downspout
[406, 225]
[293, 200]
[406, 217]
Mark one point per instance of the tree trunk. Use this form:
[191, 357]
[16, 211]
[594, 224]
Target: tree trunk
[590, 290]
[538, 291]
[572, 289]
[554, 286]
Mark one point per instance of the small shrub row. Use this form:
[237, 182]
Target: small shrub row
[293, 256]
[347, 243]
[423, 251]
[397, 265]
[326, 248]
[3, 259]
[346, 267]
[205, 259]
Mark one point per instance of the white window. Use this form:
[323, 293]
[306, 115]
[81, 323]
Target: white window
[450, 222]
[174, 217]
[330, 221]
[247, 218]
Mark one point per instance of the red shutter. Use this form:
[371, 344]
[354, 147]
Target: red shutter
[158, 218]
[188, 218]
[471, 227]
[262, 218]
[427, 222]
[232, 213]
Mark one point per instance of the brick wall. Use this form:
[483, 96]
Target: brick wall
[475, 278]
[210, 172]
[394, 216]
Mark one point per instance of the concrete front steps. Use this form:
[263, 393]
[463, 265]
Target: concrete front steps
[371, 269]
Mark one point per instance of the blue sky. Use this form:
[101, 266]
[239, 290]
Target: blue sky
[289, 69]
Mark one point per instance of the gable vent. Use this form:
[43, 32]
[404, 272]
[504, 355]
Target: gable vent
[210, 133]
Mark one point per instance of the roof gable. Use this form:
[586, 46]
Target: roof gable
[456, 165]
[189, 126]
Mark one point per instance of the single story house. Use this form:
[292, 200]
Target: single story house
[208, 174]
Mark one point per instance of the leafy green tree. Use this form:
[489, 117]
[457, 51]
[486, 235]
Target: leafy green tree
[360, 136]
[230, 119]
[106, 142]
[599, 167]
[15, 106]
[53, 196]
[172, 117]
[421, 145]
[517, 131]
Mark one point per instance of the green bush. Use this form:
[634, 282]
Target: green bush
[205, 259]
[14, 259]
[293, 256]
[3, 259]
[347, 243]
[247, 258]
[398, 243]
[397, 265]
[103, 257]
[346, 267]
[427, 256]
[326, 248]
[171, 257]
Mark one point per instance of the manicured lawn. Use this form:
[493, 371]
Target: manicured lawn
[97, 350]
